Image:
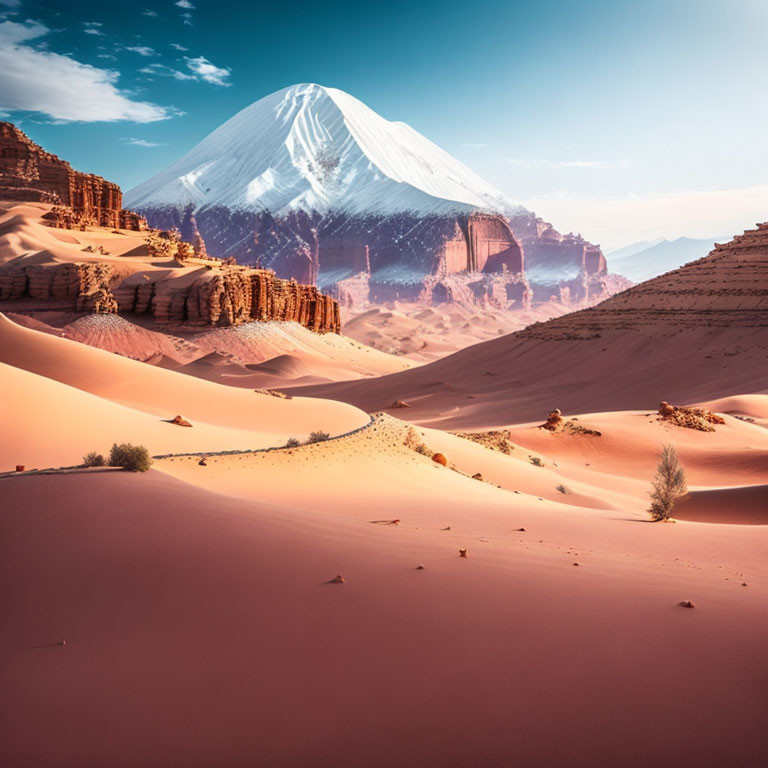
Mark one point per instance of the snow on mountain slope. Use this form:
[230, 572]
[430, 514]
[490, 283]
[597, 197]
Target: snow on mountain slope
[310, 148]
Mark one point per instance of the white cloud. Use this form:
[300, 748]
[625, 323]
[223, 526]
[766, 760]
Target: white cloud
[163, 70]
[142, 50]
[469, 144]
[187, 18]
[185, 4]
[535, 162]
[10, 3]
[61, 87]
[700, 213]
[143, 143]
[207, 71]
[178, 47]
[150, 13]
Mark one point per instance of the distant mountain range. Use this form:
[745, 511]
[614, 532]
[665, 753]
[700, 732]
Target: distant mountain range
[649, 258]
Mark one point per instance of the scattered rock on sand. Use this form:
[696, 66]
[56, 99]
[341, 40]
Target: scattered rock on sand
[180, 421]
[494, 440]
[463, 553]
[687, 604]
[556, 423]
[438, 458]
[477, 476]
[336, 580]
[419, 567]
[399, 404]
[690, 418]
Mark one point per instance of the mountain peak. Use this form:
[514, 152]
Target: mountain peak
[312, 148]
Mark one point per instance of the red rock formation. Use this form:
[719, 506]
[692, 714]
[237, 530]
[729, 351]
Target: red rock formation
[28, 172]
[83, 287]
[564, 267]
[228, 297]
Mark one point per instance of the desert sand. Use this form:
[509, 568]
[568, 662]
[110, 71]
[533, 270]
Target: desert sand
[201, 629]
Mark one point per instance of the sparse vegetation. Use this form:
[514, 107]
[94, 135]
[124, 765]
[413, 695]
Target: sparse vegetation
[669, 485]
[318, 437]
[563, 489]
[292, 442]
[93, 459]
[536, 461]
[133, 458]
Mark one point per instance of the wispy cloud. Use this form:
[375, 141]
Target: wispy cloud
[185, 4]
[142, 50]
[143, 143]
[59, 86]
[93, 28]
[10, 3]
[163, 70]
[207, 71]
[198, 68]
[178, 47]
[479, 144]
[536, 162]
[148, 12]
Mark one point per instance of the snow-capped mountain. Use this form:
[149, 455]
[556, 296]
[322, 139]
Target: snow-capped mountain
[315, 149]
[314, 185]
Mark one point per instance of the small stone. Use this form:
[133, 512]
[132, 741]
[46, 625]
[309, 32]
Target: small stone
[337, 580]
[743, 583]
[463, 553]
[521, 529]
[477, 476]
[438, 458]
[447, 528]
[419, 567]
[687, 604]
[578, 564]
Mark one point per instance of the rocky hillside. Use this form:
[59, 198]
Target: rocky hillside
[697, 333]
[66, 243]
[28, 172]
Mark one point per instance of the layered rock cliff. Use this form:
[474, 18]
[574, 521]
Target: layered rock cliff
[726, 289]
[29, 173]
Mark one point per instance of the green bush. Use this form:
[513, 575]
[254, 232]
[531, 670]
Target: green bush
[93, 459]
[133, 458]
[318, 437]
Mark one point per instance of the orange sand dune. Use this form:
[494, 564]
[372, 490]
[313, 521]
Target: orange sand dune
[199, 632]
[516, 379]
[745, 505]
[165, 393]
[48, 424]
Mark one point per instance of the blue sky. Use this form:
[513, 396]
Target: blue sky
[622, 120]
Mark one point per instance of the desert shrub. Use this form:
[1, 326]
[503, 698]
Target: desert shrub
[563, 489]
[133, 458]
[669, 485]
[318, 437]
[93, 459]
[292, 442]
[536, 461]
